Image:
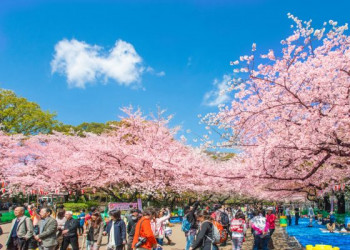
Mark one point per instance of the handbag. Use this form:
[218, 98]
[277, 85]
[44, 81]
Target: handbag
[168, 231]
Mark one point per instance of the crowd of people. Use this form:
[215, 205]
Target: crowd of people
[209, 228]
[134, 230]
[205, 227]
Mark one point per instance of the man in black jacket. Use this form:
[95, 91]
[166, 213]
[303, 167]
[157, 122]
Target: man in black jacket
[191, 217]
[133, 219]
[70, 232]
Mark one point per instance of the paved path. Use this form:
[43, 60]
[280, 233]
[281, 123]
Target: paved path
[179, 240]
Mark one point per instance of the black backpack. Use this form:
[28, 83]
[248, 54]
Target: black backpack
[224, 220]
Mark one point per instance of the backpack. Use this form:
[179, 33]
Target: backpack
[219, 233]
[237, 225]
[224, 220]
[186, 225]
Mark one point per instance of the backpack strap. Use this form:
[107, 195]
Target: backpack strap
[212, 231]
[140, 226]
[25, 224]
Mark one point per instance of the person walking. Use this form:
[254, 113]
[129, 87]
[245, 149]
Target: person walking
[133, 219]
[205, 237]
[223, 218]
[35, 216]
[116, 231]
[190, 219]
[81, 218]
[21, 231]
[70, 232]
[271, 220]
[311, 215]
[289, 216]
[94, 231]
[238, 229]
[47, 231]
[260, 228]
[61, 220]
[144, 237]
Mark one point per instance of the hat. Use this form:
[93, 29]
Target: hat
[69, 212]
[270, 208]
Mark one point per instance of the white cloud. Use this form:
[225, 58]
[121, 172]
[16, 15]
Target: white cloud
[83, 63]
[218, 95]
[160, 74]
[153, 72]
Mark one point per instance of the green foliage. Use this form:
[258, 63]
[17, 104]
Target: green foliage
[18, 115]
[87, 127]
[93, 203]
[9, 216]
[341, 218]
[221, 156]
[75, 207]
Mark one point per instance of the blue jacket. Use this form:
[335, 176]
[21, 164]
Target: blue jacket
[82, 219]
[119, 231]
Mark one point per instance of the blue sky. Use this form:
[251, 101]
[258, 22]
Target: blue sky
[177, 51]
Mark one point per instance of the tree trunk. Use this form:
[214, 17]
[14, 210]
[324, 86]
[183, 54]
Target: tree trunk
[341, 203]
[327, 204]
[172, 203]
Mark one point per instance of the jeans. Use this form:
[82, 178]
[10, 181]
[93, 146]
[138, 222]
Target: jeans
[297, 220]
[160, 241]
[92, 245]
[237, 243]
[88, 245]
[189, 240]
[289, 220]
[263, 241]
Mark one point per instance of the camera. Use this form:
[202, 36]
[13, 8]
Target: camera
[142, 240]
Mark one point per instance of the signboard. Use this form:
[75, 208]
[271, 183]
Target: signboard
[122, 206]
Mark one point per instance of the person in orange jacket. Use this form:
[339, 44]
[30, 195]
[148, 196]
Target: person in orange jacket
[144, 237]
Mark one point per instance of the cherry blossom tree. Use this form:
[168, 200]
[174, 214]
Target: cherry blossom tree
[290, 111]
[139, 155]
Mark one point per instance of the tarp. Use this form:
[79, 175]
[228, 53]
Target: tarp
[314, 235]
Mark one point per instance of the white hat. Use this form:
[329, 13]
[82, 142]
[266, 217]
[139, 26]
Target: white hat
[270, 208]
[69, 212]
